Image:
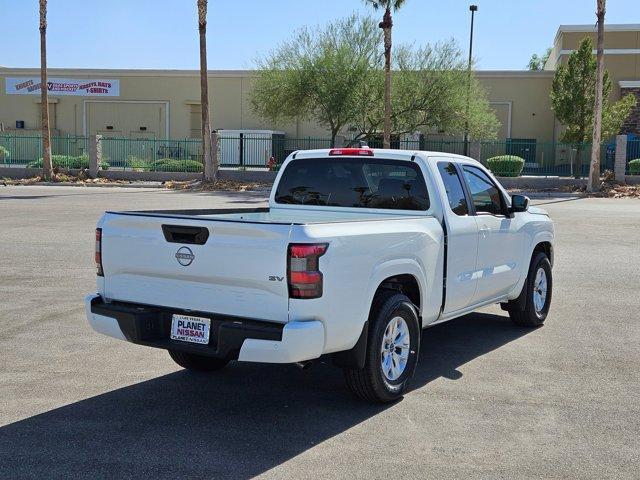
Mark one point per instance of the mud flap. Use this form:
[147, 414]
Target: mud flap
[355, 357]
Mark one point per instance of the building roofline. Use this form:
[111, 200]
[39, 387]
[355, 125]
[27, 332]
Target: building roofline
[588, 28]
[124, 72]
[613, 27]
[514, 73]
[105, 72]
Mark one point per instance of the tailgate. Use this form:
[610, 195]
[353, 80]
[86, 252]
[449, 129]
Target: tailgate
[239, 270]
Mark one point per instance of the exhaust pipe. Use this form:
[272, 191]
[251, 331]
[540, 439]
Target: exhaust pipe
[303, 365]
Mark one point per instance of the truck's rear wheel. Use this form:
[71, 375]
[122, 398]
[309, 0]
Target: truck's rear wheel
[392, 351]
[197, 363]
[534, 307]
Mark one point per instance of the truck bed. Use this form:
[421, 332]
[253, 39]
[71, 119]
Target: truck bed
[218, 261]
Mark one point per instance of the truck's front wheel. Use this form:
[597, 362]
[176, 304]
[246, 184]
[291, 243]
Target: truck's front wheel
[533, 308]
[197, 363]
[393, 345]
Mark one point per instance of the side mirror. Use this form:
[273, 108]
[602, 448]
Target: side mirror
[519, 203]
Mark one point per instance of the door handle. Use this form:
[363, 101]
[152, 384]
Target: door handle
[484, 230]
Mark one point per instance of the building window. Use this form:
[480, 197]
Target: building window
[195, 120]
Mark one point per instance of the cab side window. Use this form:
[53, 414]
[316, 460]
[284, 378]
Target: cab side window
[486, 196]
[453, 186]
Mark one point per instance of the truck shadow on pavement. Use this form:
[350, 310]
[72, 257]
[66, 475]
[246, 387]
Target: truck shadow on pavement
[236, 423]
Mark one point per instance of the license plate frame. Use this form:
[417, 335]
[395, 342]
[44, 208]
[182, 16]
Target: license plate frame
[190, 329]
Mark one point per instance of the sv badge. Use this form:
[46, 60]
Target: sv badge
[274, 278]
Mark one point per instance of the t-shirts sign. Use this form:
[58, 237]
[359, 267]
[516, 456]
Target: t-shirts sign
[64, 86]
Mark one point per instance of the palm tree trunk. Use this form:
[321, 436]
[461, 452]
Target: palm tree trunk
[594, 169]
[210, 169]
[387, 25]
[47, 168]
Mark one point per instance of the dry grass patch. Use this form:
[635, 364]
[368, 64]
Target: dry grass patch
[218, 185]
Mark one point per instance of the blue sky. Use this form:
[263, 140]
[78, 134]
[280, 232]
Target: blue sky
[163, 33]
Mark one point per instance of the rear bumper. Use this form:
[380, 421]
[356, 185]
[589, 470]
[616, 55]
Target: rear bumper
[232, 338]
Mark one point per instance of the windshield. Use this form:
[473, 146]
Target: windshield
[353, 182]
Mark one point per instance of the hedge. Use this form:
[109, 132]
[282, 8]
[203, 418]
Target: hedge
[136, 163]
[634, 167]
[68, 161]
[175, 165]
[506, 165]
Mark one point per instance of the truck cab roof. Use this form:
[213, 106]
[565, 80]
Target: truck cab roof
[392, 154]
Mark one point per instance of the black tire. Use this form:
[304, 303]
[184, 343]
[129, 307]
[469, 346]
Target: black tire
[197, 363]
[370, 383]
[523, 310]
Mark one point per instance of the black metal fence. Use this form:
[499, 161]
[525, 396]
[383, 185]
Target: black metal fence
[262, 151]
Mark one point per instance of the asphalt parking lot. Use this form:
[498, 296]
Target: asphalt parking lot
[489, 400]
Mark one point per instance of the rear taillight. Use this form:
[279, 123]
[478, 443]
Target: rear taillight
[304, 276]
[98, 255]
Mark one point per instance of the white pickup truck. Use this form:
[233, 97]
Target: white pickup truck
[358, 250]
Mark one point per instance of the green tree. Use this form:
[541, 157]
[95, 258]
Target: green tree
[387, 25]
[573, 99]
[429, 93]
[335, 76]
[319, 75]
[538, 62]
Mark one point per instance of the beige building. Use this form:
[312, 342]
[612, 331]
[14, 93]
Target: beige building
[165, 103]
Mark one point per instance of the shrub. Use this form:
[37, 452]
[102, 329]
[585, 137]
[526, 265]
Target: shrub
[4, 153]
[634, 167]
[136, 163]
[506, 165]
[64, 161]
[68, 161]
[175, 165]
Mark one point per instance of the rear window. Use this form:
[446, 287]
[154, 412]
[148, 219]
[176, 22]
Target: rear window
[353, 182]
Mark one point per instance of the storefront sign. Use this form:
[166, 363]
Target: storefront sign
[64, 86]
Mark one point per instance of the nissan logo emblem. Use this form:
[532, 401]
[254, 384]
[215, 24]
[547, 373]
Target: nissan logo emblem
[185, 256]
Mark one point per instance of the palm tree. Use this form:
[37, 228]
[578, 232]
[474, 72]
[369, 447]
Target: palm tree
[386, 25]
[47, 168]
[210, 169]
[594, 170]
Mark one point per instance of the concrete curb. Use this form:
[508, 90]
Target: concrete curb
[543, 183]
[559, 195]
[234, 175]
[90, 185]
[523, 183]
[540, 183]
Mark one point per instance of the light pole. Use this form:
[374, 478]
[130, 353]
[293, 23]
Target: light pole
[473, 9]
